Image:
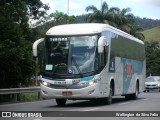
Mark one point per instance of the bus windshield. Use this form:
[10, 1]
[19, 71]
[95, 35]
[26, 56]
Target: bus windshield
[70, 55]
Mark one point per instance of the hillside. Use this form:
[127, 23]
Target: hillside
[152, 34]
[145, 23]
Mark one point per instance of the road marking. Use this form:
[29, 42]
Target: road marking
[82, 109]
[132, 101]
[146, 99]
[91, 109]
[124, 103]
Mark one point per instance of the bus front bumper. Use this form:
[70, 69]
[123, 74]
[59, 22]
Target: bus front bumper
[83, 93]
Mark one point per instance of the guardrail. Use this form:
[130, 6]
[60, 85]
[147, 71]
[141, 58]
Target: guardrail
[16, 91]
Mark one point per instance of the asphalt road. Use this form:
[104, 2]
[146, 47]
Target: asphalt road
[147, 105]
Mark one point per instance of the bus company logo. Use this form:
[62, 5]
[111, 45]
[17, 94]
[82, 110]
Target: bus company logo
[128, 70]
[6, 114]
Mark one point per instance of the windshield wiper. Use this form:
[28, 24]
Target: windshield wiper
[70, 58]
[78, 69]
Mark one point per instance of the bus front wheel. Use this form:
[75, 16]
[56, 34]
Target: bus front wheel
[109, 98]
[61, 102]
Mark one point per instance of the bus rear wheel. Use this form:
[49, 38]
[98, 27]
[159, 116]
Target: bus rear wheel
[133, 96]
[61, 102]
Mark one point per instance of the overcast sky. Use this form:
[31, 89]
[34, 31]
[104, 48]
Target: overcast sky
[141, 8]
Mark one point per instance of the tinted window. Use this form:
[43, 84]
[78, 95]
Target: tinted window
[123, 47]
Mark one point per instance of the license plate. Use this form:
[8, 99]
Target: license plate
[67, 93]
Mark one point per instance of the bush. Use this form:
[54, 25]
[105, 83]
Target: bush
[28, 96]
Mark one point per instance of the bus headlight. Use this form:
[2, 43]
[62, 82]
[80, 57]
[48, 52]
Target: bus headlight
[45, 83]
[84, 83]
[91, 82]
[88, 83]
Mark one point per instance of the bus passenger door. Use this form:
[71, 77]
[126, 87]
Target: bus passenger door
[103, 51]
[104, 73]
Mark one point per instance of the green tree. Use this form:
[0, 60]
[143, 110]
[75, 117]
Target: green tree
[16, 61]
[152, 58]
[136, 31]
[126, 22]
[99, 16]
[45, 23]
[121, 19]
[62, 18]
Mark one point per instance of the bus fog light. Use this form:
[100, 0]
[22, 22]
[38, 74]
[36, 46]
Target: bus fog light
[90, 92]
[45, 92]
[96, 80]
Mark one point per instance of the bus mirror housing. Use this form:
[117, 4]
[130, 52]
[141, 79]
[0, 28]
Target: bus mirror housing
[35, 44]
[101, 43]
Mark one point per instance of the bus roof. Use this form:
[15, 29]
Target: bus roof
[76, 29]
[85, 29]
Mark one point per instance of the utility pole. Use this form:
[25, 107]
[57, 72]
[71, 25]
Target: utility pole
[68, 8]
[101, 3]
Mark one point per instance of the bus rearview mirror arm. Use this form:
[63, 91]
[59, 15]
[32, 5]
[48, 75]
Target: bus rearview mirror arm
[34, 47]
[35, 44]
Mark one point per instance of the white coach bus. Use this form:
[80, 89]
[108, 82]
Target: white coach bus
[91, 61]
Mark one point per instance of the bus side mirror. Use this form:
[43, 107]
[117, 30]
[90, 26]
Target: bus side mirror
[35, 44]
[101, 43]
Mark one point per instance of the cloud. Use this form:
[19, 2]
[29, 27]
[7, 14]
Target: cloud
[148, 2]
[154, 2]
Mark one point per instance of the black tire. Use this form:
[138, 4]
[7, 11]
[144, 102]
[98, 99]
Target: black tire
[109, 98]
[127, 97]
[61, 102]
[133, 96]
